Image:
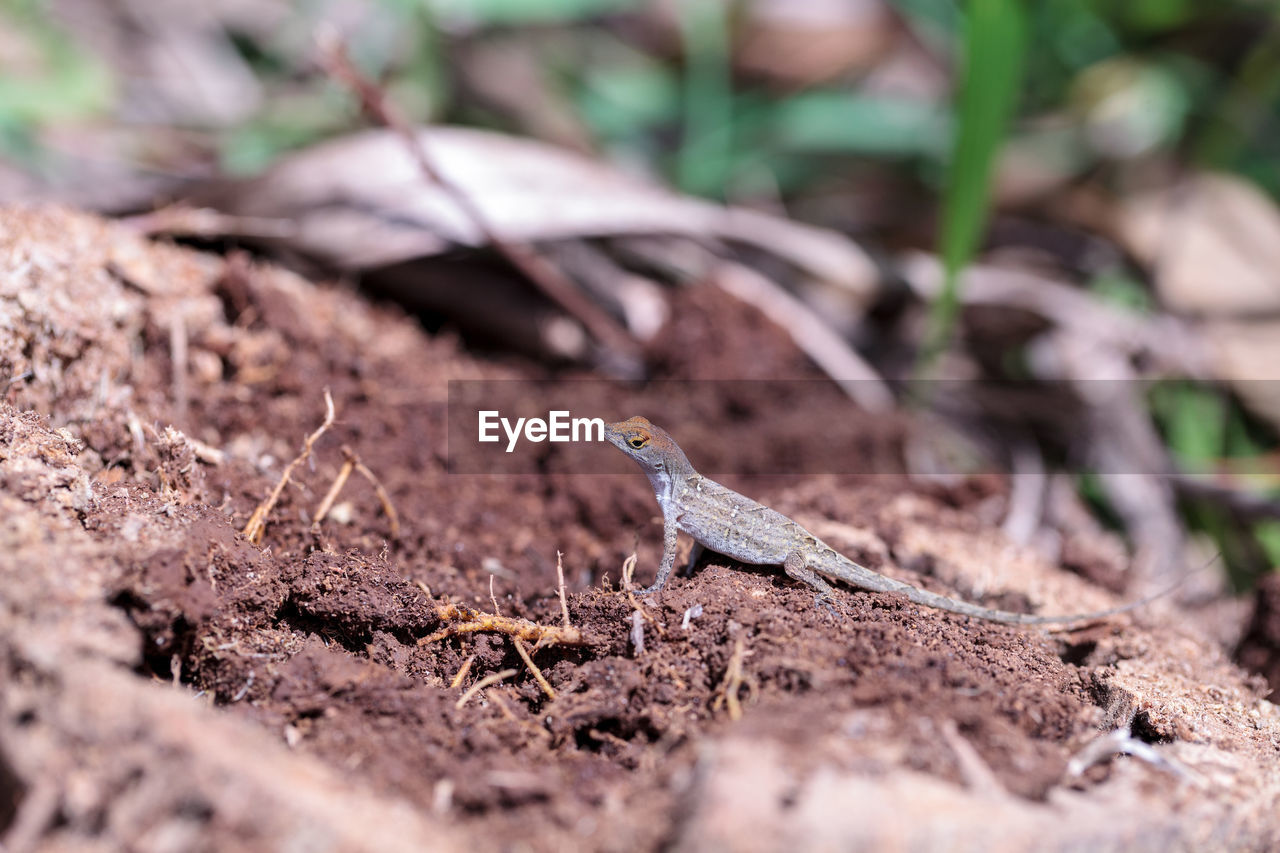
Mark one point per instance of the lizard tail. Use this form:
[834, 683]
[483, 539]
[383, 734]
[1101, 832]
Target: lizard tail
[955, 605]
[860, 576]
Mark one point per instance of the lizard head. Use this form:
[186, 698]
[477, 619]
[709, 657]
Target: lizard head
[636, 437]
[655, 451]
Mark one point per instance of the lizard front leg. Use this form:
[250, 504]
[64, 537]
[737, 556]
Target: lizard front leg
[669, 533]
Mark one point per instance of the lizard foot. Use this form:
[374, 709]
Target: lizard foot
[831, 605]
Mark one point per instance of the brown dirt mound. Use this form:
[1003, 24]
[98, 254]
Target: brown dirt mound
[170, 685]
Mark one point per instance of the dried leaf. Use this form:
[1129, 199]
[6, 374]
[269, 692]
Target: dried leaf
[802, 44]
[1212, 243]
[360, 202]
[1242, 354]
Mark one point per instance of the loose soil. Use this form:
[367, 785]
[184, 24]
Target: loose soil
[170, 685]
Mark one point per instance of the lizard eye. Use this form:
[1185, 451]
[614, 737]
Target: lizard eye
[637, 442]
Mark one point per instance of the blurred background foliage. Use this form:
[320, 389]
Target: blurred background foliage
[777, 104]
[891, 121]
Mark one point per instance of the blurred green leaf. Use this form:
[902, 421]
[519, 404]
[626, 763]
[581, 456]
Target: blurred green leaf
[626, 100]
[290, 123]
[1149, 15]
[995, 35]
[1268, 535]
[1091, 491]
[1242, 440]
[1073, 33]
[860, 124]
[1117, 288]
[44, 76]
[1245, 107]
[1195, 424]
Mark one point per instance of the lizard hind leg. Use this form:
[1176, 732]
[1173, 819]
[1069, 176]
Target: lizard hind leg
[796, 569]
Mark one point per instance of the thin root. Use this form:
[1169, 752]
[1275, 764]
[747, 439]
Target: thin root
[353, 463]
[326, 503]
[734, 681]
[493, 598]
[564, 604]
[467, 621]
[537, 731]
[462, 672]
[385, 499]
[488, 681]
[628, 569]
[533, 668]
[254, 529]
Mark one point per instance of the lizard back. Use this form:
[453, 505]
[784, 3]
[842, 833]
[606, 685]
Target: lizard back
[732, 524]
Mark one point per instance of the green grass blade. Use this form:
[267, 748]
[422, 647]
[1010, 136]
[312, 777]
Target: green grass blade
[704, 158]
[994, 44]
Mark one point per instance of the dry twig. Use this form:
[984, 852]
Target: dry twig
[254, 529]
[1237, 499]
[206, 222]
[811, 334]
[536, 731]
[977, 774]
[1122, 742]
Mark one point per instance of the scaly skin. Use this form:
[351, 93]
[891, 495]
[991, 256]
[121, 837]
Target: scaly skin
[732, 524]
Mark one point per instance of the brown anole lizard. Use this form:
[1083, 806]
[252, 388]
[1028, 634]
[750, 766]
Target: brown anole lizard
[733, 524]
